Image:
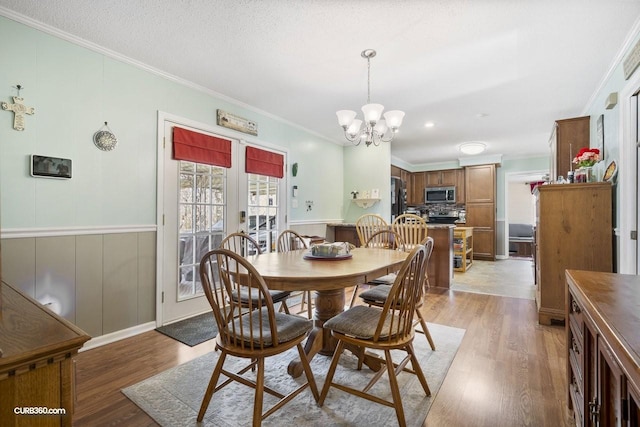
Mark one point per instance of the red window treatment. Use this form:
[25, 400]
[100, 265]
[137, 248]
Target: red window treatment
[201, 148]
[264, 162]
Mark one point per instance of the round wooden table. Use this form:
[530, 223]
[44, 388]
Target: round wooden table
[328, 278]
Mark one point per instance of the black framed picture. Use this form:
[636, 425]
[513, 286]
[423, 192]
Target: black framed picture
[600, 135]
[50, 167]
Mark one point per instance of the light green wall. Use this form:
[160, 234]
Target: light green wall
[612, 137]
[367, 168]
[74, 91]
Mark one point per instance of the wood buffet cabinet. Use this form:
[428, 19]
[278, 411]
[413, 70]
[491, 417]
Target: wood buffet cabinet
[603, 348]
[573, 231]
[37, 386]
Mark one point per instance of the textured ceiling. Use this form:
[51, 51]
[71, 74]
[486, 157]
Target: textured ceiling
[519, 64]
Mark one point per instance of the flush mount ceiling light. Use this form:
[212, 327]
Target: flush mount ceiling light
[429, 124]
[475, 147]
[375, 129]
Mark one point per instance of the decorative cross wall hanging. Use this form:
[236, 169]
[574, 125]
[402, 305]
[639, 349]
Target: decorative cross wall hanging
[19, 110]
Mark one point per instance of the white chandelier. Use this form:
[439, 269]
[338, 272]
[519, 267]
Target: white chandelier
[374, 129]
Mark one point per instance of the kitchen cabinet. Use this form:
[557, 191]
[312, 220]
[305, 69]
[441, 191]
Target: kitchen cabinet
[603, 348]
[567, 138]
[416, 197]
[460, 187]
[573, 231]
[441, 178]
[480, 205]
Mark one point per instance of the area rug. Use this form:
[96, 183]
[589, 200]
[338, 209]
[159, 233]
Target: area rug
[172, 398]
[192, 331]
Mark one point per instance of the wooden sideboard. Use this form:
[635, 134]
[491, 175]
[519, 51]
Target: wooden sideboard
[36, 362]
[603, 348]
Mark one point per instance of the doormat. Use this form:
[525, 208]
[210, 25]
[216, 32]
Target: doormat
[192, 331]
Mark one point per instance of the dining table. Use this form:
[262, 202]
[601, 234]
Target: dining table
[328, 278]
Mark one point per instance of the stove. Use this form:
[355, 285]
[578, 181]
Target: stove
[443, 216]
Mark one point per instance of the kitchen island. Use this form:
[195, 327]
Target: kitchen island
[441, 263]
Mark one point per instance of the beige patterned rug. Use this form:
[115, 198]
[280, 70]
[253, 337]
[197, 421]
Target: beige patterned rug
[173, 397]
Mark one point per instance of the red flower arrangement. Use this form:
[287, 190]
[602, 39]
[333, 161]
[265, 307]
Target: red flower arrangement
[587, 157]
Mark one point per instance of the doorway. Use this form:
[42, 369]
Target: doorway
[199, 204]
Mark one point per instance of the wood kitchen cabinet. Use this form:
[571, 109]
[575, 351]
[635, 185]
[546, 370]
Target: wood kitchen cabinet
[603, 348]
[416, 197]
[573, 231]
[441, 178]
[460, 187]
[567, 138]
[480, 205]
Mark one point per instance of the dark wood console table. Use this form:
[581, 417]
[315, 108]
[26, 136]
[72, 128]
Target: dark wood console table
[603, 348]
[36, 362]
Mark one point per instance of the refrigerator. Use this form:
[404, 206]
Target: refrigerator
[398, 197]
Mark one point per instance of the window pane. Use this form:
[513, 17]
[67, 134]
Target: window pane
[203, 191]
[186, 219]
[201, 216]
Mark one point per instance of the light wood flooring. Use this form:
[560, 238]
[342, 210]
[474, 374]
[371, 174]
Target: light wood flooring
[509, 371]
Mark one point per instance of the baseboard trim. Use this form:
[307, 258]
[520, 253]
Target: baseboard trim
[118, 335]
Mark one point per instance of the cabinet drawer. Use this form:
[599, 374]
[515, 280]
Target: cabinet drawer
[575, 317]
[575, 357]
[577, 399]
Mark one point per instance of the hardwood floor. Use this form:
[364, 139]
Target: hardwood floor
[509, 371]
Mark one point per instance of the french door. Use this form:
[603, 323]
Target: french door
[201, 204]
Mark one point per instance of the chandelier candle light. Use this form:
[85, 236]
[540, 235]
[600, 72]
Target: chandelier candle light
[375, 129]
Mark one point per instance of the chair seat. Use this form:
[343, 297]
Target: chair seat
[384, 280]
[377, 294]
[361, 322]
[289, 326]
[276, 296]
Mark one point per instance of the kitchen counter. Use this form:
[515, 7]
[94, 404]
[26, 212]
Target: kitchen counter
[440, 269]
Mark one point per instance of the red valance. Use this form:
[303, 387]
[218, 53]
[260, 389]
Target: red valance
[264, 162]
[201, 148]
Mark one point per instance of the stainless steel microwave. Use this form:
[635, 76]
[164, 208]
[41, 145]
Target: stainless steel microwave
[435, 195]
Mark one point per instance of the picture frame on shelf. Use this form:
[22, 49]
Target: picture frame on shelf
[600, 135]
[375, 193]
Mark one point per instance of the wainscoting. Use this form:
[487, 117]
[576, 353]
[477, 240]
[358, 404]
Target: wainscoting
[102, 282]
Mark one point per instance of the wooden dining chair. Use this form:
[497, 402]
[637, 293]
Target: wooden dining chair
[367, 225]
[386, 329]
[260, 332]
[412, 228]
[244, 245]
[382, 239]
[290, 240]
[378, 296]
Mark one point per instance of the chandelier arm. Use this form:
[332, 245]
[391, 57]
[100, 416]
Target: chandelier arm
[389, 139]
[356, 139]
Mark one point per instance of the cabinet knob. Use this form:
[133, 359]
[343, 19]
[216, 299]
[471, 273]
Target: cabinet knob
[575, 308]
